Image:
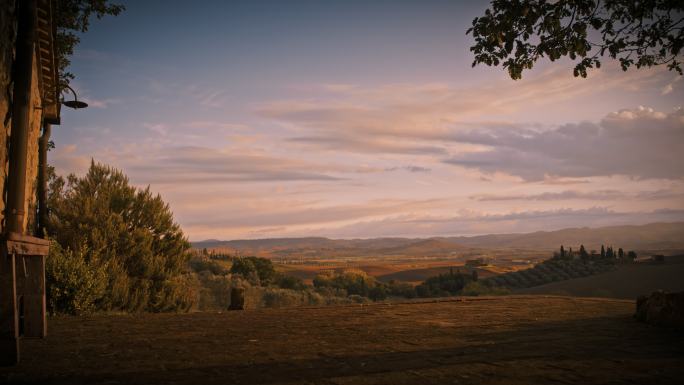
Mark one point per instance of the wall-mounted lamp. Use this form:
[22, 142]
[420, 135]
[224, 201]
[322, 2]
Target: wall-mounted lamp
[75, 104]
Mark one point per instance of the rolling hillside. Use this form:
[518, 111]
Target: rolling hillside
[627, 281]
[324, 247]
[655, 237]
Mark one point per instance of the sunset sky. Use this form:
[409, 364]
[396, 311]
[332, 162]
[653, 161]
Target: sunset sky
[348, 119]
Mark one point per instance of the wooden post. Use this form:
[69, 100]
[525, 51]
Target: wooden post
[22, 276]
[9, 320]
[31, 288]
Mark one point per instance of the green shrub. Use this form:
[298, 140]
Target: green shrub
[75, 284]
[199, 264]
[476, 288]
[275, 297]
[179, 293]
[324, 279]
[258, 271]
[354, 282]
[401, 289]
[289, 282]
[125, 232]
[330, 292]
[377, 293]
[355, 298]
[443, 285]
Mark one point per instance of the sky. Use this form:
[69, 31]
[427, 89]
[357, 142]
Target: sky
[361, 119]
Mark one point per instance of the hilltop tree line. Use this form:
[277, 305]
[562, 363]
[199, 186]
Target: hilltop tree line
[608, 253]
[565, 264]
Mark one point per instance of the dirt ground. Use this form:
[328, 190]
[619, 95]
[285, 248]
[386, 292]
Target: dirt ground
[503, 340]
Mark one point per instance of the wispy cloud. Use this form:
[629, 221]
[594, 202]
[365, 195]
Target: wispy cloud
[215, 125]
[208, 165]
[371, 145]
[409, 169]
[669, 87]
[157, 128]
[471, 223]
[599, 195]
[313, 213]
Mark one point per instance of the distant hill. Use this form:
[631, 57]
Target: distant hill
[310, 246]
[425, 247]
[655, 237]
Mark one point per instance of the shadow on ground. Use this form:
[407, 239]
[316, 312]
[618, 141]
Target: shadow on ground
[508, 340]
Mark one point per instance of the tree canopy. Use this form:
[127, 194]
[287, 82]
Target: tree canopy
[517, 33]
[126, 232]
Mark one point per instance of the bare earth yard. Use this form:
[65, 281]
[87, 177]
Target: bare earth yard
[504, 340]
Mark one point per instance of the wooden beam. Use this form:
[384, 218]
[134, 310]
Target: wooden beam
[21, 244]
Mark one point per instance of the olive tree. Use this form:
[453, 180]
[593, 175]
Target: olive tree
[518, 33]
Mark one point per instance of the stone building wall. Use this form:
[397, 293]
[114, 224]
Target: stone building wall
[35, 122]
[7, 38]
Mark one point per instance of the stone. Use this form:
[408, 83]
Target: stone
[661, 309]
[237, 298]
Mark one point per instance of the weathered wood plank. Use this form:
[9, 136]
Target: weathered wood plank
[9, 320]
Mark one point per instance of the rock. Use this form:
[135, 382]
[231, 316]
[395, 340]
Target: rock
[237, 299]
[661, 309]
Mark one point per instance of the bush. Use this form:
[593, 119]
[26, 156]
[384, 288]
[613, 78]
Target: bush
[289, 282]
[199, 264]
[443, 285]
[275, 297]
[76, 284]
[258, 271]
[354, 282]
[354, 298]
[179, 293]
[377, 293]
[476, 288]
[118, 234]
[324, 279]
[401, 289]
[330, 292]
